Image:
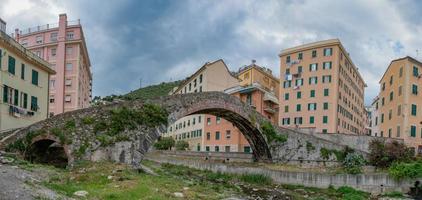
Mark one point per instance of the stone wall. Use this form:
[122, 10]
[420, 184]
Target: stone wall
[375, 183]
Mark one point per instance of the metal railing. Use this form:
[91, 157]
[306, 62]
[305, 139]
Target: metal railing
[47, 27]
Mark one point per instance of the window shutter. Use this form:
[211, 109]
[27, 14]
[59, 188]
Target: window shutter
[34, 77]
[5, 93]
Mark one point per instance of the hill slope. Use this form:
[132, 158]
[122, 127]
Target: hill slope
[152, 91]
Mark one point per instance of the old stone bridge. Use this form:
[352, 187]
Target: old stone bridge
[123, 132]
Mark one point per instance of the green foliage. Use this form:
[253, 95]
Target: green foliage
[256, 179]
[340, 155]
[22, 144]
[406, 170]
[164, 143]
[70, 125]
[100, 126]
[393, 194]
[271, 134]
[18, 145]
[309, 146]
[88, 120]
[81, 151]
[349, 193]
[353, 163]
[182, 145]
[61, 135]
[152, 91]
[384, 154]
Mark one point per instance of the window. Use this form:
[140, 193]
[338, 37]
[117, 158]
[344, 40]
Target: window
[415, 71]
[399, 110]
[288, 59]
[326, 79]
[68, 98]
[299, 82]
[398, 131]
[326, 92]
[314, 54]
[199, 119]
[38, 39]
[218, 120]
[312, 106]
[389, 133]
[413, 131]
[228, 134]
[401, 71]
[200, 78]
[69, 35]
[400, 90]
[69, 66]
[209, 121]
[207, 148]
[68, 82]
[325, 105]
[391, 80]
[298, 120]
[51, 99]
[298, 107]
[25, 100]
[299, 69]
[34, 77]
[286, 121]
[311, 119]
[287, 84]
[69, 50]
[299, 95]
[286, 96]
[325, 119]
[391, 96]
[52, 83]
[414, 110]
[11, 66]
[249, 99]
[53, 52]
[53, 37]
[16, 98]
[415, 89]
[390, 114]
[23, 71]
[286, 109]
[300, 56]
[313, 67]
[312, 93]
[313, 80]
[247, 149]
[383, 87]
[383, 101]
[34, 103]
[208, 135]
[382, 118]
[38, 53]
[327, 65]
[328, 51]
[217, 135]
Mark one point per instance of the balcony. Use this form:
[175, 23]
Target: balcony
[270, 98]
[271, 110]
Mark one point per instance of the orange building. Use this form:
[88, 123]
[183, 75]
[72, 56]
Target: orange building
[322, 90]
[398, 109]
[258, 88]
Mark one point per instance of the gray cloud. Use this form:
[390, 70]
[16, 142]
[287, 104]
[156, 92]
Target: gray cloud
[167, 40]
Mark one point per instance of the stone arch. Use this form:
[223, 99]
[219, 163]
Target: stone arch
[244, 117]
[47, 149]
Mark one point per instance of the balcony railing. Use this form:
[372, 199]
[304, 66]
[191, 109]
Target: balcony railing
[47, 27]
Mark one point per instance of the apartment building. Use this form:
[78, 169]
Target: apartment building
[373, 117]
[399, 108]
[258, 88]
[322, 90]
[213, 76]
[24, 84]
[63, 46]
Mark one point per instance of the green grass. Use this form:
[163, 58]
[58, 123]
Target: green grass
[256, 179]
[152, 91]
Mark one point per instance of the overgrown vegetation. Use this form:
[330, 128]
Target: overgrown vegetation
[256, 179]
[309, 146]
[182, 145]
[402, 170]
[23, 144]
[349, 193]
[353, 163]
[152, 91]
[383, 154]
[340, 155]
[271, 134]
[164, 143]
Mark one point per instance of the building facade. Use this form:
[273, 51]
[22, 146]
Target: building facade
[321, 89]
[24, 81]
[258, 88]
[399, 109]
[213, 76]
[373, 117]
[63, 46]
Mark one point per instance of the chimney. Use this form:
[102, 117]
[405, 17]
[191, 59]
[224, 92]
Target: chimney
[2, 25]
[17, 34]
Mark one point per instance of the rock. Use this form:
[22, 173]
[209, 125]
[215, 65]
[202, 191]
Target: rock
[109, 177]
[254, 189]
[81, 193]
[179, 195]
[6, 160]
[185, 188]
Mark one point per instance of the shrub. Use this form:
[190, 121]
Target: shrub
[256, 179]
[384, 154]
[271, 134]
[309, 147]
[406, 170]
[182, 145]
[353, 163]
[350, 193]
[164, 143]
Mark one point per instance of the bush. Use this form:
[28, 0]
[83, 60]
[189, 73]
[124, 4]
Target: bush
[271, 134]
[182, 145]
[384, 154]
[164, 143]
[406, 170]
[256, 179]
[353, 163]
[350, 193]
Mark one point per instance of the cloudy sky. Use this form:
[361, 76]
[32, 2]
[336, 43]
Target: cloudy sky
[158, 40]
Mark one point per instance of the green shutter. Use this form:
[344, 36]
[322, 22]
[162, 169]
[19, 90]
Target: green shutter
[23, 71]
[11, 66]
[5, 93]
[16, 98]
[414, 109]
[312, 93]
[325, 119]
[325, 106]
[326, 92]
[311, 119]
[299, 95]
[25, 100]
[413, 131]
[34, 77]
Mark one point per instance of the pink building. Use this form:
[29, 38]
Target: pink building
[62, 45]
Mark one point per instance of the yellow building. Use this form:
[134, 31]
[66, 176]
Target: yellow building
[321, 89]
[399, 107]
[24, 79]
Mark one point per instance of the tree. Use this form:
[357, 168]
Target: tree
[383, 154]
[164, 143]
[182, 145]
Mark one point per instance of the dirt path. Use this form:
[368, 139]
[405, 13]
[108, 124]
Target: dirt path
[16, 183]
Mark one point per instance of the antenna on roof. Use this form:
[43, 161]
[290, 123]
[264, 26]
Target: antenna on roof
[417, 53]
[253, 61]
